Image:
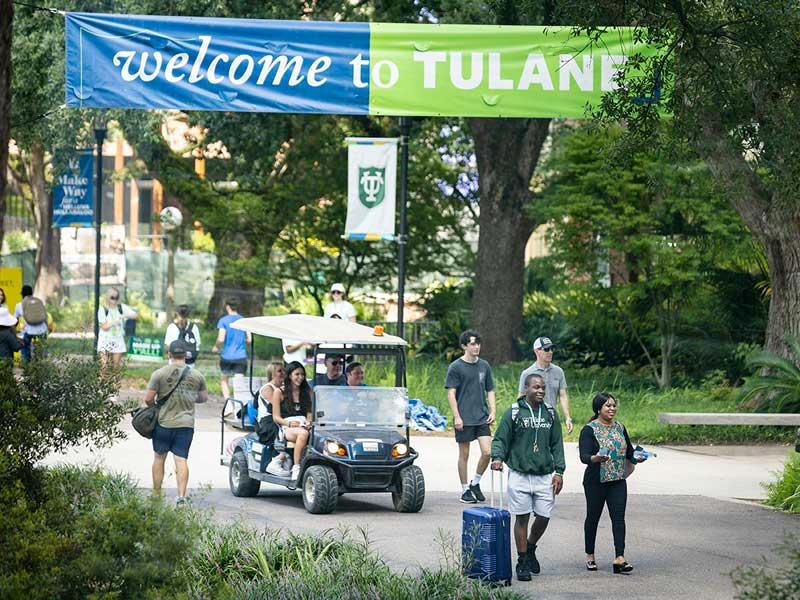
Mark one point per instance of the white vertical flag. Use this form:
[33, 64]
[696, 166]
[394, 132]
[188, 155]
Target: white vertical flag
[371, 186]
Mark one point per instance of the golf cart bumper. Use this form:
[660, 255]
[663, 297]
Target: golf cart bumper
[364, 475]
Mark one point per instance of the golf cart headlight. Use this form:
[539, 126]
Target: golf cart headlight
[400, 449]
[335, 448]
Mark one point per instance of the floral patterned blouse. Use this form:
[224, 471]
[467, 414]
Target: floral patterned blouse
[615, 438]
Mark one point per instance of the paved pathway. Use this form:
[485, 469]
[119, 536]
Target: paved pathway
[686, 529]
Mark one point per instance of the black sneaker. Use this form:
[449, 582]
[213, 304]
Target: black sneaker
[476, 491]
[533, 563]
[523, 570]
[468, 497]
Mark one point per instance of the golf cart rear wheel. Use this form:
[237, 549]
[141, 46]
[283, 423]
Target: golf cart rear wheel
[411, 494]
[241, 484]
[320, 490]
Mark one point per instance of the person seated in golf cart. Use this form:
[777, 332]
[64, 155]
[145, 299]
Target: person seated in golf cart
[333, 375]
[291, 410]
[354, 373]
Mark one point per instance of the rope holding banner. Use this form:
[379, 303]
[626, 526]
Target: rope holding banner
[49, 9]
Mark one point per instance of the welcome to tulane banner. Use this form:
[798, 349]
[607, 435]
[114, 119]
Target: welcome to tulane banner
[338, 68]
[371, 186]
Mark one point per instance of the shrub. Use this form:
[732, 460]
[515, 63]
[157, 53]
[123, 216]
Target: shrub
[784, 493]
[769, 581]
[777, 388]
[92, 535]
[56, 403]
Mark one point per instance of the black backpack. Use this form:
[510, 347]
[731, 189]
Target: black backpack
[186, 336]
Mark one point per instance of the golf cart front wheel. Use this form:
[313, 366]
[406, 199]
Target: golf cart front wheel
[239, 480]
[320, 490]
[411, 493]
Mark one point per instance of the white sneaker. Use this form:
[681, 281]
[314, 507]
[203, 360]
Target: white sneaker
[275, 467]
[295, 472]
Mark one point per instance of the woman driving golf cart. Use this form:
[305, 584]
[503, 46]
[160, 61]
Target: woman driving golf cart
[291, 409]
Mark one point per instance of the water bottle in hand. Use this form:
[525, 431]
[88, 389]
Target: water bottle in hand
[640, 453]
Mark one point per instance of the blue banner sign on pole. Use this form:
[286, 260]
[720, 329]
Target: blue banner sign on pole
[244, 65]
[73, 204]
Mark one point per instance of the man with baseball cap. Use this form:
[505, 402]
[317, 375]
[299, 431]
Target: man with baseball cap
[339, 307]
[555, 382]
[182, 387]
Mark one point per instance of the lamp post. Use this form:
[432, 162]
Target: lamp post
[99, 136]
[405, 129]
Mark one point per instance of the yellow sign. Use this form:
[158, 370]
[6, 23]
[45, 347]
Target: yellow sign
[11, 285]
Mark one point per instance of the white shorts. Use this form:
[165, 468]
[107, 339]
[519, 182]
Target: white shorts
[530, 494]
[115, 345]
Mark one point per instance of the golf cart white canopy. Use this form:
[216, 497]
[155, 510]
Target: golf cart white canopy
[315, 330]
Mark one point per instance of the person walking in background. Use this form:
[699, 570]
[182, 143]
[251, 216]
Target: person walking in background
[339, 306]
[9, 342]
[111, 336]
[185, 331]
[35, 320]
[470, 392]
[233, 357]
[3, 299]
[555, 381]
[174, 430]
[607, 452]
[529, 441]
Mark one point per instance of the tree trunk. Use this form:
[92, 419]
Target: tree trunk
[6, 18]
[507, 152]
[48, 254]
[774, 222]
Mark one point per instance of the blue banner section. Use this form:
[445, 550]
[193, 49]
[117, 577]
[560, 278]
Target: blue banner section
[73, 204]
[216, 64]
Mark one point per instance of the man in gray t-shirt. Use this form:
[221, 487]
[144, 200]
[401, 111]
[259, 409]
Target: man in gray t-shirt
[470, 392]
[555, 382]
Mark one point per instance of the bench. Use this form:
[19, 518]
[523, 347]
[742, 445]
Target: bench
[777, 419]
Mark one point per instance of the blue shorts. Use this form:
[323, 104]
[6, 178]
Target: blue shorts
[172, 439]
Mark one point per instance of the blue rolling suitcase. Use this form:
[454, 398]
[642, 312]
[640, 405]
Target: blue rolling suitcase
[486, 541]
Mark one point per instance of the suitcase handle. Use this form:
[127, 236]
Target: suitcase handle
[491, 497]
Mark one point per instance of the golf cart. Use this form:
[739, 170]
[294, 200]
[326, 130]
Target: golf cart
[359, 436]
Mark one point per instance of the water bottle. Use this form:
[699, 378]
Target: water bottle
[640, 453]
[602, 452]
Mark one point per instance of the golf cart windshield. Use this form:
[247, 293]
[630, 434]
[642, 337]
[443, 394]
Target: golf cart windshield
[339, 406]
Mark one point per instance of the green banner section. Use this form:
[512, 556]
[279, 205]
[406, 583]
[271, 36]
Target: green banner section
[492, 71]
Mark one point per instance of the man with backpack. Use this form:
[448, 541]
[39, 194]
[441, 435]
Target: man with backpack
[185, 331]
[32, 311]
[528, 439]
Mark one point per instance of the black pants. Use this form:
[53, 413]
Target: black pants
[615, 495]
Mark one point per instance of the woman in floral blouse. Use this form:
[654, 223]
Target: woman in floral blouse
[607, 452]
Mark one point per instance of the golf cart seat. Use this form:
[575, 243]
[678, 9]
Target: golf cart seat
[241, 399]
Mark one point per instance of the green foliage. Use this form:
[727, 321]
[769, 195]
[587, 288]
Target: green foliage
[235, 562]
[54, 404]
[91, 535]
[641, 236]
[448, 305]
[777, 387]
[18, 241]
[772, 581]
[784, 493]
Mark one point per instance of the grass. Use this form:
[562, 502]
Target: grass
[784, 493]
[639, 400]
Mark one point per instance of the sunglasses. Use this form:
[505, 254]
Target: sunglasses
[337, 293]
[113, 297]
[336, 363]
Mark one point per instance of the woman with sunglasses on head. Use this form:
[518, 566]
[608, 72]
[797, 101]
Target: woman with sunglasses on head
[291, 409]
[111, 336]
[607, 452]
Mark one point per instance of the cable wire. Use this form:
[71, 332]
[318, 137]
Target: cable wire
[51, 10]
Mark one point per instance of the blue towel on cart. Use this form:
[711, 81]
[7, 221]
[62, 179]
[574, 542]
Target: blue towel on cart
[426, 418]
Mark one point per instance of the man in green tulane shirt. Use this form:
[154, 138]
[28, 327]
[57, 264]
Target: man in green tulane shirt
[175, 428]
[529, 441]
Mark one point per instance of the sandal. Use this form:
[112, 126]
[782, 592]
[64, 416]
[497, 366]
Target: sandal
[591, 565]
[623, 568]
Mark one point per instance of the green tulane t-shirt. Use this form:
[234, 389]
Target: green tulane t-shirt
[471, 381]
[179, 408]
